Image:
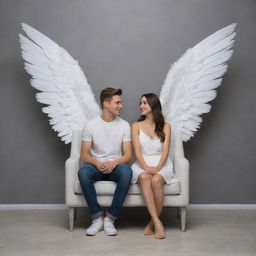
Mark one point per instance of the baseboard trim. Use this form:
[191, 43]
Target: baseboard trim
[223, 206]
[4, 207]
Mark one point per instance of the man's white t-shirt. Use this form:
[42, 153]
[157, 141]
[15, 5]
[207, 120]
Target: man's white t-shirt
[107, 137]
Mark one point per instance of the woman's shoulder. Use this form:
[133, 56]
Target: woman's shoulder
[135, 125]
[167, 126]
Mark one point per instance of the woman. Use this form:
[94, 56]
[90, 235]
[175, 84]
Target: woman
[151, 139]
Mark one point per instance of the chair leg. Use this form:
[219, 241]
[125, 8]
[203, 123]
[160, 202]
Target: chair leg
[75, 213]
[71, 211]
[178, 212]
[183, 218]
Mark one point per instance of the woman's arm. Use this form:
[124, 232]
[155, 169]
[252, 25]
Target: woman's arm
[136, 145]
[166, 147]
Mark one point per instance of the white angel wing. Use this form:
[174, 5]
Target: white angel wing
[191, 81]
[61, 81]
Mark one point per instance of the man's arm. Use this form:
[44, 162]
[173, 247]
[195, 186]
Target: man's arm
[87, 158]
[127, 153]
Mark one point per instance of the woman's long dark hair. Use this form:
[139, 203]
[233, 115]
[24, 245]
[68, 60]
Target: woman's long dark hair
[158, 117]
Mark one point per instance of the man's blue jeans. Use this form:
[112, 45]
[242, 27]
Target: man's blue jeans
[121, 174]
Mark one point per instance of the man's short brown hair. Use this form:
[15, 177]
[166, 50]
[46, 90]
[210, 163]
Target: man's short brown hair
[108, 93]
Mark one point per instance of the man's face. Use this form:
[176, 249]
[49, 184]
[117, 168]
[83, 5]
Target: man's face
[115, 105]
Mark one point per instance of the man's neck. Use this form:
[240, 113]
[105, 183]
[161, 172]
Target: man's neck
[107, 117]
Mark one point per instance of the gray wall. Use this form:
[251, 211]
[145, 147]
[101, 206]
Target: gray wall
[128, 44]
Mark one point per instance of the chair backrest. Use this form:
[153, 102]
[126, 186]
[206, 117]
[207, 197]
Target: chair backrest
[76, 144]
[172, 146]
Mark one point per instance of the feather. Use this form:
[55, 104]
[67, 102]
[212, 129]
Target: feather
[61, 82]
[191, 81]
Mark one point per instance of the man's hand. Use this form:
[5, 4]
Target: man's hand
[109, 166]
[100, 166]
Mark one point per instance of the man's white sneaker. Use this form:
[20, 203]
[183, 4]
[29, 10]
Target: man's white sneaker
[95, 227]
[109, 228]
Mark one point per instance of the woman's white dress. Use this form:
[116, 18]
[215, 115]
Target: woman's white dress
[151, 150]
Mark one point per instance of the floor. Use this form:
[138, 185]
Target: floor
[209, 232]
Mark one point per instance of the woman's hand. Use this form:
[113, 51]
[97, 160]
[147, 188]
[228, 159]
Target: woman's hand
[147, 169]
[155, 170]
[151, 170]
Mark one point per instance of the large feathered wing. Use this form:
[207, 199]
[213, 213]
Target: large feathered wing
[191, 82]
[63, 85]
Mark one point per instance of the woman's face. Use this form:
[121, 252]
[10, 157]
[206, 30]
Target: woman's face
[144, 106]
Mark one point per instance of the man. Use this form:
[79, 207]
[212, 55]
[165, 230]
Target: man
[106, 150]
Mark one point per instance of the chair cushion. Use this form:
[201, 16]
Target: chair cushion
[108, 188]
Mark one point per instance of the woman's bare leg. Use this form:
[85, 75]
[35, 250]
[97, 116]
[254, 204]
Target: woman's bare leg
[148, 195]
[148, 230]
[157, 186]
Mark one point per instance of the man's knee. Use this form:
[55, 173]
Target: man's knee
[124, 171]
[85, 173]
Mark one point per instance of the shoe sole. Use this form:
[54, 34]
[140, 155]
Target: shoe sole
[110, 234]
[88, 234]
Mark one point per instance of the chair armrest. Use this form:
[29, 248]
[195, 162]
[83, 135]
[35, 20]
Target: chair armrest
[179, 151]
[181, 167]
[181, 164]
[76, 143]
[72, 165]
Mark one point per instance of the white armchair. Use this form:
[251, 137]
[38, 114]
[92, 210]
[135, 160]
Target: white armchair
[176, 194]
